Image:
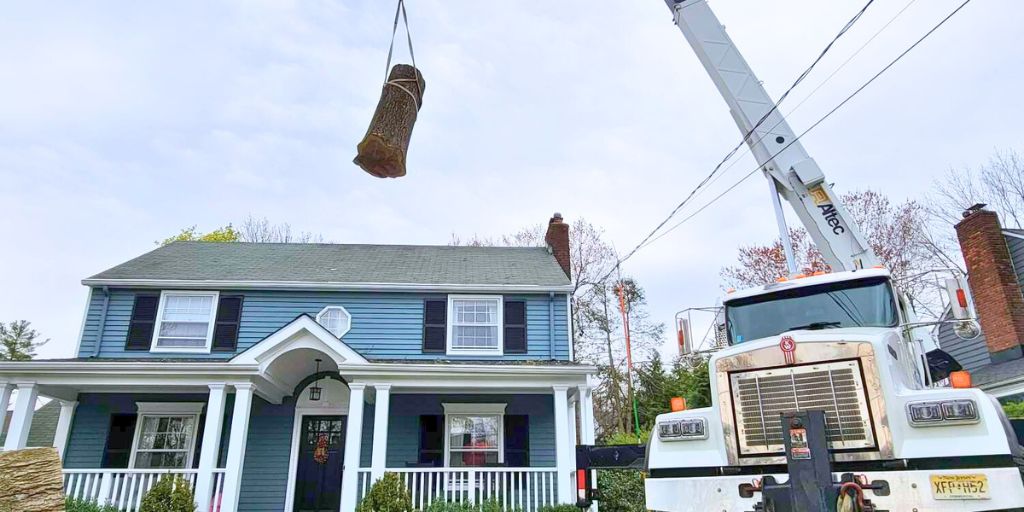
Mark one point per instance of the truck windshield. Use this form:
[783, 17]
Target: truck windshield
[863, 303]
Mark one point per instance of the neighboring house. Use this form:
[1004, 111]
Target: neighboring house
[44, 425]
[290, 376]
[995, 269]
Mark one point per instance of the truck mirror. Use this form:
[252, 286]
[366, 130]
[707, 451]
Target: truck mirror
[959, 305]
[941, 364]
[966, 329]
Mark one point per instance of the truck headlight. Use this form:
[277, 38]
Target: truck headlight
[942, 412]
[683, 430]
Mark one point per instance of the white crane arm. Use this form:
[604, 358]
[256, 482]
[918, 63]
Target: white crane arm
[797, 177]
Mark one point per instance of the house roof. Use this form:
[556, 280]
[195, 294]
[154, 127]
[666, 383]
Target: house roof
[44, 425]
[341, 263]
[997, 373]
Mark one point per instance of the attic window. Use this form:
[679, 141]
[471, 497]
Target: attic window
[335, 319]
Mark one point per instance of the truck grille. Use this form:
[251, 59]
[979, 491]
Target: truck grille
[836, 388]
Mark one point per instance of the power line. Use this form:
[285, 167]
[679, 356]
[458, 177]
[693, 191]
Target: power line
[813, 126]
[849, 24]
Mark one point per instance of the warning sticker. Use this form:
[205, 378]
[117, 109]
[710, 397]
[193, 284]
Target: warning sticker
[798, 444]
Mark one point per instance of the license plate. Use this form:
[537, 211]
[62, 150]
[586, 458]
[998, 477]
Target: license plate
[960, 487]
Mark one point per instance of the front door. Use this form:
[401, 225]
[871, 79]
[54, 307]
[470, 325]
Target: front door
[321, 450]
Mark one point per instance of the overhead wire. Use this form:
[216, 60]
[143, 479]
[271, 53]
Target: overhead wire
[813, 126]
[849, 24]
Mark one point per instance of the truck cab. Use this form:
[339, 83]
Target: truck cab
[842, 343]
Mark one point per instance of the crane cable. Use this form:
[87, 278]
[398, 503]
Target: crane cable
[849, 24]
[805, 132]
[416, 98]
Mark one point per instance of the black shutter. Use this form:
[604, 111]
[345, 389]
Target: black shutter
[435, 325]
[515, 327]
[118, 450]
[225, 331]
[140, 330]
[517, 440]
[431, 440]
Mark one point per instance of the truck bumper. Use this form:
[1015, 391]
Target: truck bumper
[910, 491]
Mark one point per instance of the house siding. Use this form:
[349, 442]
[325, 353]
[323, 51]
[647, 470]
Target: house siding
[971, 354]
[384, 325]
[267, 454]
[405, 409]
[1016, 248]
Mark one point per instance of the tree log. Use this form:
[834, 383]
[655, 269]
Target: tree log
[382, 151]
[31, 481]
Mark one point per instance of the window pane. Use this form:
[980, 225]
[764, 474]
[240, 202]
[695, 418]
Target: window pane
[468, 459]
[333, 320]
[181, 342]
[467, 336]
[159, 460]
[473, 432]
[476, 311]
[188, 308]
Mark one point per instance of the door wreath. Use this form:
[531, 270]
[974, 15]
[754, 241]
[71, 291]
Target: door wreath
[320, 455]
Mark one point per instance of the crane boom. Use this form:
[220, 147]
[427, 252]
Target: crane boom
[794, 174]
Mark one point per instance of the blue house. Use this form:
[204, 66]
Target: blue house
[289, 377]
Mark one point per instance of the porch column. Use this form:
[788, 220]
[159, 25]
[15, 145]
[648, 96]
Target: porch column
[21, 420]
[588, 431]
[565, 458]
[6, 388]
[210, 450]
[380, 429]
[573, 439]
[236, 446]
[60, 436]
[353, 445]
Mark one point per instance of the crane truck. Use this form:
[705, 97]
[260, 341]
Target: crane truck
[825, 395]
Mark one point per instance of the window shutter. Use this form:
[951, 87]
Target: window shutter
[517, 440]
[515, 327]
[140, 330]
[118, 450]
[225, 330]
[431, 440]
[435, 325]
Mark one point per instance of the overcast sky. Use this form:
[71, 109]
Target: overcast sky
[121, 123]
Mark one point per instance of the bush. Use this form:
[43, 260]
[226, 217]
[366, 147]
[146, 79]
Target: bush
[170, 494]
[559, 508]
[455, 506]
[76, 505]
[387, 495]
[1014, 410]
[622, 490]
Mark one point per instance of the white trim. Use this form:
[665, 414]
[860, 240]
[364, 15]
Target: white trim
[170, 407]
[307, 285]
[348, 323]
[293, 457]
[498, 350]
[215, 296]
[1014, 235]
[469, 409]
[85, 318]
[290, 337]
[166, 409]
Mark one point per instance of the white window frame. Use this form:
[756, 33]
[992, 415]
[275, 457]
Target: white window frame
[348, 324]
[451, 410]
[497, 351]
[160, 318]
[163, 410]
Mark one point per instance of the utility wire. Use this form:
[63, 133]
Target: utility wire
[813, 126]
[849, 24]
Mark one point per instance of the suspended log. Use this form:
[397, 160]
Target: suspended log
[31, 481]
[382, 151]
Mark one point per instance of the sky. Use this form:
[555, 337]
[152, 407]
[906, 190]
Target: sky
[123, 122]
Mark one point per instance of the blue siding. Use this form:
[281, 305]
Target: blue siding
[267, 454]
[406, 409]
[384, 325]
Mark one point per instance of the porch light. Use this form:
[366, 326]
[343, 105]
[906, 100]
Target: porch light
[315, 390]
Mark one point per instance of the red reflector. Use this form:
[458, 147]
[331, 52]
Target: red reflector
[961, 297]
[581, 479]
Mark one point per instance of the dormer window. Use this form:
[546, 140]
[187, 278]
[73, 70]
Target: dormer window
[475, 325]
[184, 321]
[335, 319]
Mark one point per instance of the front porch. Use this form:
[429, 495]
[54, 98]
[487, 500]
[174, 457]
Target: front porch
[247, 434]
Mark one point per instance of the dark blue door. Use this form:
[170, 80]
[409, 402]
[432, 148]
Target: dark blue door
[321, 450]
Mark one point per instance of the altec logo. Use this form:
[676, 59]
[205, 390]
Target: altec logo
[788, 346]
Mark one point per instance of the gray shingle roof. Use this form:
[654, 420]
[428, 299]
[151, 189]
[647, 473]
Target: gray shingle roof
[344, 263]
[996, 373]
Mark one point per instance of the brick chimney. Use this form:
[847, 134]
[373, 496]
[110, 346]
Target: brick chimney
[557, 239]
[994, 285]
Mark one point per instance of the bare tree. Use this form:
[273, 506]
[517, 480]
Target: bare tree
[262, 231]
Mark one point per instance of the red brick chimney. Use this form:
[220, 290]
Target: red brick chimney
[994, 285]
[557, 239]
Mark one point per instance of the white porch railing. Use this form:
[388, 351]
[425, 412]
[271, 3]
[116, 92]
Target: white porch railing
[124, 488]
[526, 489]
